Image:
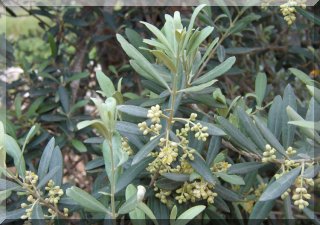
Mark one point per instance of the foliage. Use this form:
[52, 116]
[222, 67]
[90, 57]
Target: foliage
[195, 141]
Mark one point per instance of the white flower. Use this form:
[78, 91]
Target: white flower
[141, 192]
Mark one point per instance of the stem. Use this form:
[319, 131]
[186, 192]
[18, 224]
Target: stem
[112, 184]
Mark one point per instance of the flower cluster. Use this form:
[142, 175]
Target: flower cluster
[220, 167]
[126, 147]
[54, 192]
[174, 155]
[197, 190]
[269, 154]
[30, 183]
[288, 10]
[300, 194]
[36, 197]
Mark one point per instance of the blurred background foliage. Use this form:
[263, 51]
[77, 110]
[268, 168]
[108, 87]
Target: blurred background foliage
[58, 49]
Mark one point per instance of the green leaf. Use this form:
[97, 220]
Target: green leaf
[2, 147]
[78, 145]
[288, 208]
[236, 134]
[131, 173]
[310, 16]
[302, 76]
[190, 214]
[260, 87]
[133, 110]
[311, 215]
[46, 158]
[315, 92]
[204, 33]
[146, 149]
[277, 188]
[77, 76]
[127, 127]
[232, 179]
[105, 84]
[48, 177]
[250, 128]
[213, 149]
[218, 96]
[244, 168]
[159, 35]
[57, 160]
[227, 194]
[177, 176]
[271, 139]
[133, 53]
[96, 124]
[64, 98]
[260, 212]
[202, 168]
[288, 130]
[85, 200]
[173, 213]
[129, 205]
[197, 88]
[309, 132]
[13, 149]
[137, 216]
[18, 105]
[148, 212]
[37, 215]
[244, 22]
[274, 117]
[216, 72]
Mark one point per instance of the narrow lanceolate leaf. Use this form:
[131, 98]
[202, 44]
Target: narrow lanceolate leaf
[46, 158]
[127, 127]
[309, 132]
[260, 87]
[37, 215]
[201, 37]
[142, 206]
[145, 150]
[131, 173]
[244, 168]
[274, 117]
[213, 149]
[232, 179]
[268, 135]
[236, 135]
[48, 177]
[261, 211]
[64, 98]
[199, 87]
[311, 215]
[2, 147]
[288, 130]
[177, 176]
[190, 214]
[227, 194]
[105, 84]
[137, 216]
[302, 76]
[216, 72]
[202, 168]
[85, 200]
[251, 129]
[13, 149]
[277, 188]
[133, 53]
[133, 110]
[57, 160]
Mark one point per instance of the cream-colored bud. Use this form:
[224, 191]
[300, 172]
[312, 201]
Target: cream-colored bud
[140, 192]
